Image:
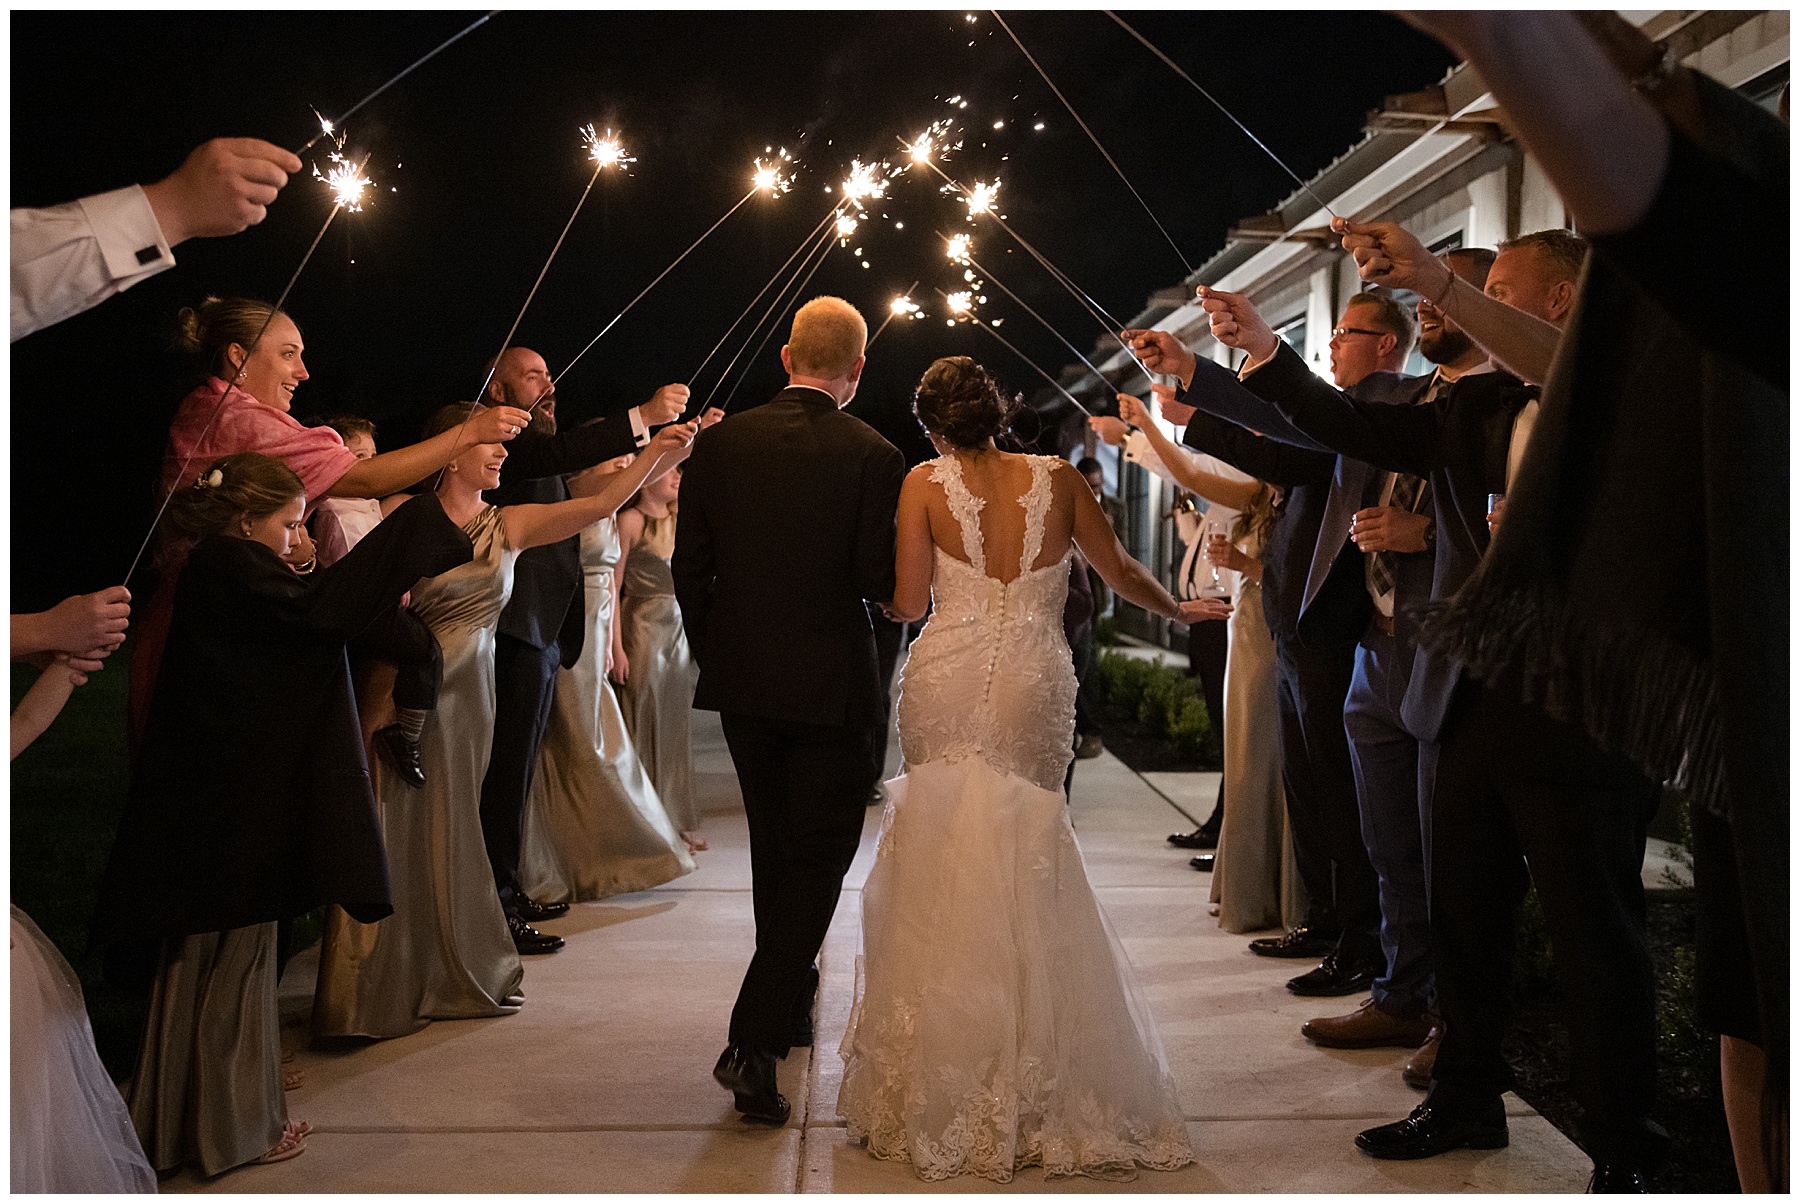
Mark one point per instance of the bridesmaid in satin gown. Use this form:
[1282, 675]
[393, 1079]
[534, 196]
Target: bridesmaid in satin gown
[652, 659]
[594, 825]
[445, 953]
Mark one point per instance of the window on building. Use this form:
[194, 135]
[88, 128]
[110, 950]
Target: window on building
[1294, 334]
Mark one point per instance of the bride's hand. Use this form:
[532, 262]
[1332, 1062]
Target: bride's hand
[1202, 610]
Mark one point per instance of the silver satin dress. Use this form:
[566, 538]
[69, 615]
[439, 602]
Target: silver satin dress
[445, 953]
[659, 692]
[594, 824]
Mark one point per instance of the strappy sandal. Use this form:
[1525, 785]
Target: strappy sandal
[695, 842]
[291, 1145]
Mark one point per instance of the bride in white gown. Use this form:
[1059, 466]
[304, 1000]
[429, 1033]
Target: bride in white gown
[998, 1023]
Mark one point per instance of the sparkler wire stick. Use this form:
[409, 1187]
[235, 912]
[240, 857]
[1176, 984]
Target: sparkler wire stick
[812, 246]
[326, 128]
[889, 318]
[1056, 384]
[187, 462]
[1095, 140]
[1173, 66]
[1042, 321]
[779, 307]
[647, 288]
[805, 243]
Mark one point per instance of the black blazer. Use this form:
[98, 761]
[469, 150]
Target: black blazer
[547, 600]
[1458, 442]
[787, 526]
[1313, 588]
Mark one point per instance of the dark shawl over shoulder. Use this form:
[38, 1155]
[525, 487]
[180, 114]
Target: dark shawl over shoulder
[1638, 586]
[251, 799]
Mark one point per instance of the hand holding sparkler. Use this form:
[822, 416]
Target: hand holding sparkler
[1175, 412]
[1109, 429]
[712, 416]
[223, 187]
[1236, 323]
[491, 425]
[672, 444]
[665, 405]
[1133, 412]
[1160, 352]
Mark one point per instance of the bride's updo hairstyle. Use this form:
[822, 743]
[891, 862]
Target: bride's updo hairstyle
[208, 330]
[231, 487]
[959, 403]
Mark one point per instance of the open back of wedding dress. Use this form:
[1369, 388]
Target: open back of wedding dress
[997, 1024]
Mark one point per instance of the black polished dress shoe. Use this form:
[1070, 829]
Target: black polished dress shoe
[1333, 976]
[533, 912]
[749, 1075]
[1199, 838]
[400, 755]
[1428, 1132]
[1617, 1180]
[527, 939]
[1295, 942]
[1203, 863]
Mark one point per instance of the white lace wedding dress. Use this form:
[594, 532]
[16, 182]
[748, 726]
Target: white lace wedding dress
[997, 1024]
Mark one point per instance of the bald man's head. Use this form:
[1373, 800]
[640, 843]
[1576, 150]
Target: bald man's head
[522, 379]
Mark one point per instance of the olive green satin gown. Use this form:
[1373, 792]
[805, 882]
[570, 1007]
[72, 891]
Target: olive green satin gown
[445, 953]
[659, 691]
[594, 824]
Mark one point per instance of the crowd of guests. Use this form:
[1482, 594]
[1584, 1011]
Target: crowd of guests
[1448, 658]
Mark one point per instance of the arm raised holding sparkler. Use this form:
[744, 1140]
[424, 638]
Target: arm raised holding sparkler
[531, 525]
[71, 257]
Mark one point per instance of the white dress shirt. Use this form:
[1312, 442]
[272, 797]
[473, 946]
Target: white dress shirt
[71, 257]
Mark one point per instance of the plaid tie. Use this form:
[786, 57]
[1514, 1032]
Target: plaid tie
[1407, 490]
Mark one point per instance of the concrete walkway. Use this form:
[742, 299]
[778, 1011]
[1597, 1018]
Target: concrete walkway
[603, 1081]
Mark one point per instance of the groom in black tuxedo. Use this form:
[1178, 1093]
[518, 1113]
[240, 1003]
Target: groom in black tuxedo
[787, 529]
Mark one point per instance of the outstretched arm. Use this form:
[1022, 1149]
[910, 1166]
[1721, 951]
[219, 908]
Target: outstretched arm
[389, 472]
[533, 525]
[1224, 491]
[1129, 579]
[43, 702]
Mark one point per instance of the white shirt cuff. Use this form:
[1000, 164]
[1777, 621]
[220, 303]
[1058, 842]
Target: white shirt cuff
[130, 240]
[1251, 365]
[639, 431]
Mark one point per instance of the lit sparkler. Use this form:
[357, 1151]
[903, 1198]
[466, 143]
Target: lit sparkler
[981, 198]
[959, 248]
[903, 307]
[770, 178]
[346, 181]
[962, 304]
[864, 183]
[846, 226]
[605, 151]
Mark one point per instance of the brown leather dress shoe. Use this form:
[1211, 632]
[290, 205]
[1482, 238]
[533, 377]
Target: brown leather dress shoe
[1366, 1028]
[1420, 1065]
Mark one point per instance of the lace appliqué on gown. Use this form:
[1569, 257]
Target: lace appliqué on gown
[997, 1023]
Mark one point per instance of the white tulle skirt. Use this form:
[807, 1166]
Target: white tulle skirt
[70, 1128]
[997, 1022]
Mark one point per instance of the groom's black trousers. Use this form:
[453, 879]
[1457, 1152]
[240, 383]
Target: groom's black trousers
[806, 789]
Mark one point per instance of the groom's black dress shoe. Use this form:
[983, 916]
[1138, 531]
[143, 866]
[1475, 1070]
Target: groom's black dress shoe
[1334, 976]
[1199, 838]
[533, 912]
[1295, 942]
[1609, 1180]
[749, 1075]
[1204, 863]
[1428, 1132]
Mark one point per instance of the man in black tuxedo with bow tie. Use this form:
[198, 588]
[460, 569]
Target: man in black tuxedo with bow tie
[787, 531]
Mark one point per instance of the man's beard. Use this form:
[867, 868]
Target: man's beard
[1446, 346]
[543, 422]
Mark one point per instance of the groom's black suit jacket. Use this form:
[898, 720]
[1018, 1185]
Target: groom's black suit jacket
[787, 526]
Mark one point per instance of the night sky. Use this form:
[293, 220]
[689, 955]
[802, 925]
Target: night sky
[403, 302]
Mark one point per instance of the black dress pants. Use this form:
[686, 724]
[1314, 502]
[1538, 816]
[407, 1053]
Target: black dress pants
[805, 790]
[403, 637]
[1311, 687]
[1208, 644]
[890, 638]
[524, 688]
[1522, 798]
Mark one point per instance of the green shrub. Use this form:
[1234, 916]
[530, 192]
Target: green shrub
[1106, 631]
[1679, 1037]
[1160, 697]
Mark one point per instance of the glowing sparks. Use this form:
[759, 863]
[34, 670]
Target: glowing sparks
[959, 248]
[346, 181]
[904, 307]
[961, 304]
[605, 151]
[865, 182]
[921, 148]
[846, 225]
[980, 199]
[770, 178]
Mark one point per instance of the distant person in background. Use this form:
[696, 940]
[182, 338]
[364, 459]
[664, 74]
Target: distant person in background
[71, 257]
